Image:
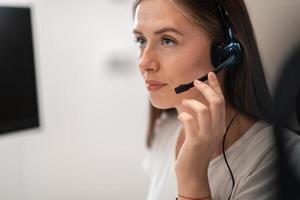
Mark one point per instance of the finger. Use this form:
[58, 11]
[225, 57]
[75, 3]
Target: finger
[209, 94]
[189, 124]
[216, 104]
[202, 113]
[206, 90]
[214, 83]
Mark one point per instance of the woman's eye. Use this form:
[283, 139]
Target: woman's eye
[168, 42]
[165, 41]
[141, 42]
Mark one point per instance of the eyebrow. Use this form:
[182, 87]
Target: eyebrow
[161, 31]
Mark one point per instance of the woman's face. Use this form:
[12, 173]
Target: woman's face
[172, 51]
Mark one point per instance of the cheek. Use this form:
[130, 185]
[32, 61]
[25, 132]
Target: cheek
[183, 65]
[191, 67]
[185, 70]
[192, 63]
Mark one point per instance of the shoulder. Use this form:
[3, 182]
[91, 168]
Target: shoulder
[252, 159]
[259, 173]
[257, 148]
[261, 145]
[258, 139]
[261, 177]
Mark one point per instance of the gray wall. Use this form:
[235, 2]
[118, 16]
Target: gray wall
[94, 110]
[277, 27]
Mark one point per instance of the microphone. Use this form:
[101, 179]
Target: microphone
[227, 63]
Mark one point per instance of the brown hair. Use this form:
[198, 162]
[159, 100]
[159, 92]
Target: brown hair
[250, 88]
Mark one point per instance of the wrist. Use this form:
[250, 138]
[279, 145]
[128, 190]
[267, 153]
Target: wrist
[194, 188]
[181, 197]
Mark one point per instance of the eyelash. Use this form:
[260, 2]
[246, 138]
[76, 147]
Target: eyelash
[137, 40]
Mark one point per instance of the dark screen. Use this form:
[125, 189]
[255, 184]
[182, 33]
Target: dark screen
[18, 96]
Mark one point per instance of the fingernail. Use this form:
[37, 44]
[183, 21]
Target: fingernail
[212, 75]
[197, 82]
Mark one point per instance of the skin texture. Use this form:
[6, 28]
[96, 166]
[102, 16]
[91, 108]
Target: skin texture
[174, 59]
[166, 61]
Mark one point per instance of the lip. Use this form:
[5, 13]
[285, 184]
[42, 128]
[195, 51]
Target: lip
[153, 82]
[153, 88]
[153, 85]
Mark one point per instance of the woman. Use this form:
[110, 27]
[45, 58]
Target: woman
[187, 130]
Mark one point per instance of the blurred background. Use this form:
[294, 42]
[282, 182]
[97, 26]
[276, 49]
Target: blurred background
[92, 101]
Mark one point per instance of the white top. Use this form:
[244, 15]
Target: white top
[251, 158]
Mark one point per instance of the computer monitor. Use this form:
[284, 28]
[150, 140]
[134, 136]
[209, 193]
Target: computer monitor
[18, 90]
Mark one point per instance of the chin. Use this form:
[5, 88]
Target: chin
[161, 105]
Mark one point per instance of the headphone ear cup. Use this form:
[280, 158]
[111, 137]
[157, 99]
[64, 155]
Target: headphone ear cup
[232, 48]
[220, 51]
[216, 53]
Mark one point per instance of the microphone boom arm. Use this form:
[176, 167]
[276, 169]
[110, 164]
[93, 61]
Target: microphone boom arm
[184, 87]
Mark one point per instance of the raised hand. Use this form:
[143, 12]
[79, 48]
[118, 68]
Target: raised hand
[203, 134]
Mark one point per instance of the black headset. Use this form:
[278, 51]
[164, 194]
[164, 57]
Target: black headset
[224, 54]
[221, 51]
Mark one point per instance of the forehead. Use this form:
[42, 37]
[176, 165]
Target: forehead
[153, 14]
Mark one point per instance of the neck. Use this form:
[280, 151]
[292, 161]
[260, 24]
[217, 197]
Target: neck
[233, 129]
[241, 123]
[230, 115]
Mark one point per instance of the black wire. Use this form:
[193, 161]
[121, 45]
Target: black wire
[232, 178]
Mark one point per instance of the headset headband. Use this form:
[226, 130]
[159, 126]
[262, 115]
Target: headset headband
[223, 14]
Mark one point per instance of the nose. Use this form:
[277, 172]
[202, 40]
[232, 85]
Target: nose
[148, 60]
